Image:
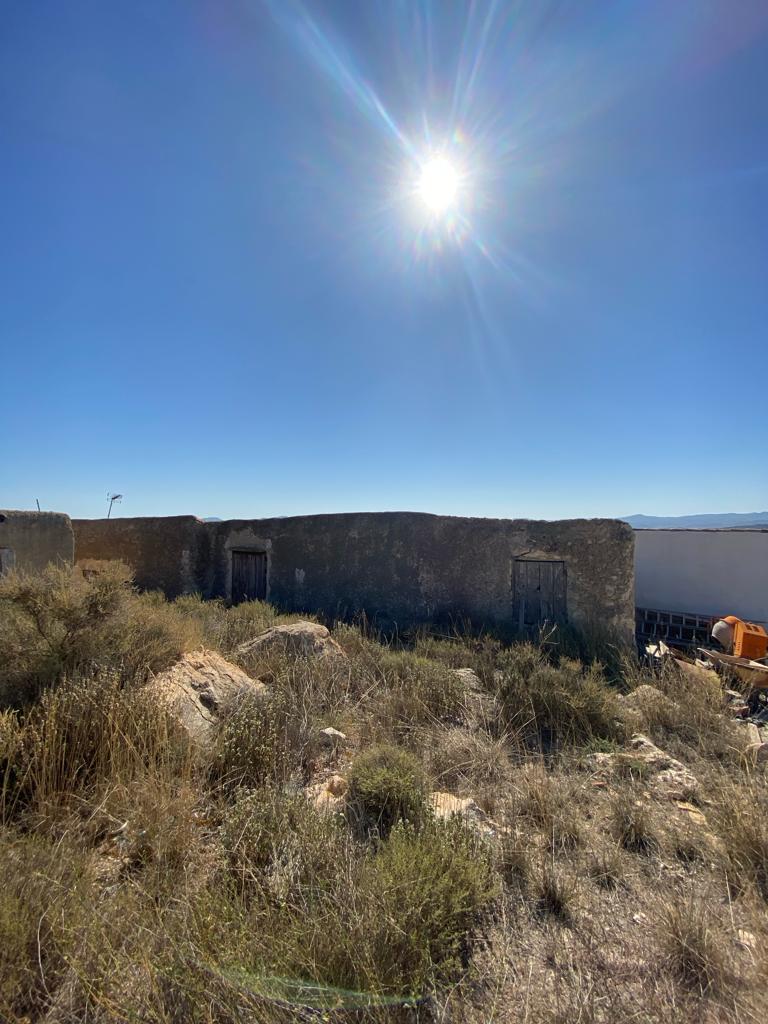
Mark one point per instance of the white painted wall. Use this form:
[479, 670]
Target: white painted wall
[710, 572]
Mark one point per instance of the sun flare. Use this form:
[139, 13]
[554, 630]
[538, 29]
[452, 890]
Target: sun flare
[438, 184]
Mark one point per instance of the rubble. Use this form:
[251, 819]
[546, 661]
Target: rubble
[329, 794]
[665, 774]
[446, 806]
[332, 738]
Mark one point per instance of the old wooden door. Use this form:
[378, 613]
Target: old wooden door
[249, 576]
[538, 592]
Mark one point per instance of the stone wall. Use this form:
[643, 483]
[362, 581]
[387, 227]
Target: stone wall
[399, 568]
[29, 541]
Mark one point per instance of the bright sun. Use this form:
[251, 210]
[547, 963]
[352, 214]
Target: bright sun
[438, 184]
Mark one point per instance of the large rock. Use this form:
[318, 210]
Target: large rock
[300, 639]
[198, 686]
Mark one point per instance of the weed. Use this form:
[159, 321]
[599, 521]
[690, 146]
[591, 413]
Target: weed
[606, 868]
[695, 946]
[632, 825]
[553, 705]
[556, 891]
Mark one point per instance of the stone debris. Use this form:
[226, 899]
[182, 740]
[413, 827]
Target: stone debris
[666, 775]
[693, 814]
[197, 687]
[697, 673]
[329, 794]
[300, 639]
[332, 738]
[446, 806]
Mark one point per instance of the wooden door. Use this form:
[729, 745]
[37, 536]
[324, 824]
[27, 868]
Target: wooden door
[7, 560]
[538, 593]
[249, 576]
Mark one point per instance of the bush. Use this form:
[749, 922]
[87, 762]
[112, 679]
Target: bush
[419, 691]
[278, 844]
[387, 784]
[553, 705]
[258, 742]
[395, 921]
[432, 889]
[224, 628]
[58, 624]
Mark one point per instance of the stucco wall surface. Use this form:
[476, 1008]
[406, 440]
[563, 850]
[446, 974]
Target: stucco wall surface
[163, 551]
[397, 567]
[707, 572]
[31, 540]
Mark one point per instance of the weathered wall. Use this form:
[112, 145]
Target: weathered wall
[398, 567]
[29, 541]
[162, 551]
[707, 572]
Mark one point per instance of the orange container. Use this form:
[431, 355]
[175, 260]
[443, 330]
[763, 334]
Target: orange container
[749, 640]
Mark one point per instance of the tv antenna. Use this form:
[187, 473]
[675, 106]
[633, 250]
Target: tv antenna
[112, 498]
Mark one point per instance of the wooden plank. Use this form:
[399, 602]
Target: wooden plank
[546, 592]
[560, 609]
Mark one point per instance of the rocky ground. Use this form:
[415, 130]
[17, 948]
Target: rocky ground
[214, 814]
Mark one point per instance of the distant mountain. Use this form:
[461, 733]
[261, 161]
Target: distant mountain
[714, 521]
[212, 519]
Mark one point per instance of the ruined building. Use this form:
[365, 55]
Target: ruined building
[29, 541]
[399, 568]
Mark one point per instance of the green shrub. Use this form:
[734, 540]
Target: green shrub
[387, 784]
[395, 921]
[551, 705]
[432, 889]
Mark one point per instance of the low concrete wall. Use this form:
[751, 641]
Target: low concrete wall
[708, 572]
[397, 567]
[29, 541]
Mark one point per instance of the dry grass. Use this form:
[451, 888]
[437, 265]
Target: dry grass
[696, 947]
[632, 824]
[147, 880]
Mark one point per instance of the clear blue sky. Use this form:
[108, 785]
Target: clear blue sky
[218, 297]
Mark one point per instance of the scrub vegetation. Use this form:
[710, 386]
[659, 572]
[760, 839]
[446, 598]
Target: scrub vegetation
[149, 877]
